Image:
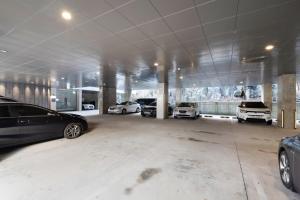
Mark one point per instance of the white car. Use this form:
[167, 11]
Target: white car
[88, 107]
[186, 109]
[125, 107]
[248, 110]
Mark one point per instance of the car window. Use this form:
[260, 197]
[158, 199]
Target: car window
[124, 103]
[253, 105]
[4, 112]
[185, 105]
[30, 111]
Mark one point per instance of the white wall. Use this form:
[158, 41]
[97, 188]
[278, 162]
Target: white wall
[28, 93]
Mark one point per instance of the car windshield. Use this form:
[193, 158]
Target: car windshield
[253, 105]
[153, 104]
[185, 105]
[124, 103]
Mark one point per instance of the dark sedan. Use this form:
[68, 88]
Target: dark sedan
[22, 123]
[289, 162]
[150, 110]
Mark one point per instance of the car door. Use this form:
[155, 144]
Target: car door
[33, 123]
[130, 107]
[296, 152]
[9, 130]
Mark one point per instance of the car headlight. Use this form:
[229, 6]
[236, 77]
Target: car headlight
[243, 111]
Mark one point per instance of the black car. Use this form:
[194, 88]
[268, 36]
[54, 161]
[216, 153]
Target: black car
[150, 110]
[289, 162]
[22, 123]
[145, 101]
[6, 99]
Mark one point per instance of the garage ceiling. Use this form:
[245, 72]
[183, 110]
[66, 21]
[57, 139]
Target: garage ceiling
[213, 42]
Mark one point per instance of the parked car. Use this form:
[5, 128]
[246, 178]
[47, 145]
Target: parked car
[251, 110]
[289, 162]
[125, 107]
[22, 123]
[185, 109]
[87, 106]
[6, 99]
[150, 110]
[145, 101]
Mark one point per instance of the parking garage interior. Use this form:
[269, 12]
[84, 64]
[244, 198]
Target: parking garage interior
[86, 57]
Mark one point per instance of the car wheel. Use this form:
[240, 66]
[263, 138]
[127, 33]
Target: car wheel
[285, 170]
[138, 110]
[142, 113]
[240, 120]
[72, 130]
[124, 111]
[269, 122]
[195, 116]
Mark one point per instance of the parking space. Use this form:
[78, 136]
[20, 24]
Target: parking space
[145, 158]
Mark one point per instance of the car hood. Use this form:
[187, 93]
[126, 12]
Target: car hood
[117, 106]
[184, 108]
[72, 115]
[256, 109]
[153, 107]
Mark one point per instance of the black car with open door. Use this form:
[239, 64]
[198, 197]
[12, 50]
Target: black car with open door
[22, 123]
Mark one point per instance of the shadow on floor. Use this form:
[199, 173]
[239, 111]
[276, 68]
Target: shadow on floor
[9, 151]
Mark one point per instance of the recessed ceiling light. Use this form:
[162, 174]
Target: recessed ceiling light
[97, 73]
[136, 81]
[194, 84]
[241, 82]
[66, 15]
[181, 77]
[3, 51]
[156, 64]
[62, 78]
[53, 79]
[178, 69]
[269, 47]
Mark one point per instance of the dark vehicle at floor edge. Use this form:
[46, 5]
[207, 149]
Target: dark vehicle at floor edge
[150, 110]
[289, 162]
[22, 123]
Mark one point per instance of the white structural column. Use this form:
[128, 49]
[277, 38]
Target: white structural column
[286, 101]
[162, 96]
[267, 95]
[178, 94]
[53, 98]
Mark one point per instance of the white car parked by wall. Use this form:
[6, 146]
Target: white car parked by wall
[250, 110]
[125, 107]
[186, 109]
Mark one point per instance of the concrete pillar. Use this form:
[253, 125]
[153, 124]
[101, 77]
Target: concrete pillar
[107, 88]
[162, 96]
[286, 102]
[267, 94]
[127, 88]
[79, 100]
[53, 98]
[178, 94]
[79, 93]
[107, 97]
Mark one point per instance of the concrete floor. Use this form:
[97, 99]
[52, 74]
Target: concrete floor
[129, 157]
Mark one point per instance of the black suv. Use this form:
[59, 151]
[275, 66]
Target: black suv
[145, 101]
[22, 123]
